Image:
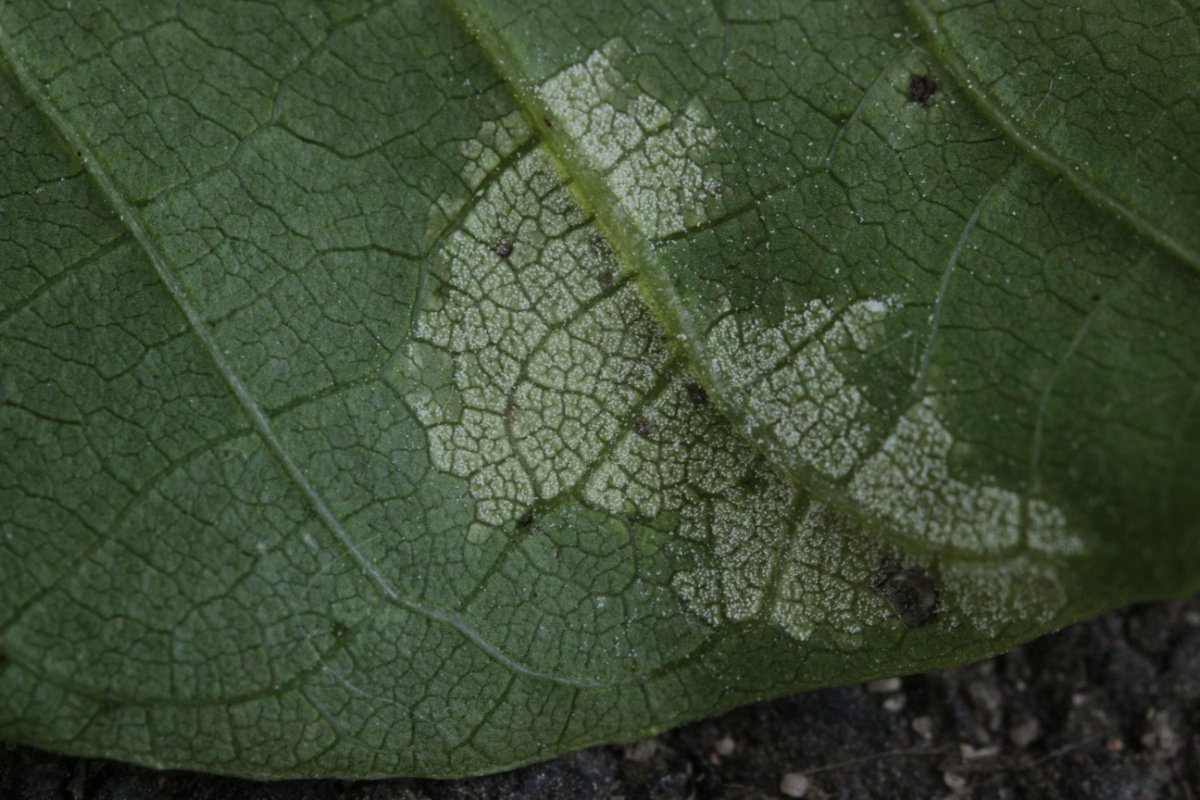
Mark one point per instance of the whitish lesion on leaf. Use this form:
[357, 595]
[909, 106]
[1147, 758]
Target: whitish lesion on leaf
[909, 479]
[659, 164]
[541, 378]
[554, 381]
[541, 358]
[786, 377]
[494, 142]
[795, 392]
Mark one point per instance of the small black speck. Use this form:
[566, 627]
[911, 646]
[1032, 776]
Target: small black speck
[752, 482]
[502, 247]
[604, 278]
[642, 428]
[1095, 298]
[1, 384]
[697, 395]
[548, 122]
[921, 89]
[340, 631]
[910, 591]
[526, 520]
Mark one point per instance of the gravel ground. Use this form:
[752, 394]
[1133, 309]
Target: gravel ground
[1105, 709]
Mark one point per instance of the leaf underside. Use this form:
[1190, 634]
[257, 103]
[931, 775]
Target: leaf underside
[413, 388]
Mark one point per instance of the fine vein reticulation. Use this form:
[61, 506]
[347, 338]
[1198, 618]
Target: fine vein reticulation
[402, 388]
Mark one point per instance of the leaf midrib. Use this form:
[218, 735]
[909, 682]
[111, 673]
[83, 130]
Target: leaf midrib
[590, 188]
[661, 296]
[129, 216]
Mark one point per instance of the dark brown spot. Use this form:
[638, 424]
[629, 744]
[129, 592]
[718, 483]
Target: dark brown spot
[714, 188]
[548, 122]
[642, 428]
[502, 247]
[526, 520]
[605, 278]
[697, 395]
[752, 482]
[599, 246]
[910, 592]
[512, 412]
[921, 89]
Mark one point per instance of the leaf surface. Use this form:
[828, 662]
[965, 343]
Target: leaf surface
[961, 321]
[339, 439]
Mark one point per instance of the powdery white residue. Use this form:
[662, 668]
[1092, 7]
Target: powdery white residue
[996, 595]
[745, 531]
[809, 572]
[786, 378]
[537, 371]
[656, 163]
[909, 480]
[514, 415]
[682, 449]
[581, 386]
[772, 555]
[813, 593]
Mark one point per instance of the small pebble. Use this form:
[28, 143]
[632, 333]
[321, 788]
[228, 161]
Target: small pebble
[923, 727]
[884, 686]
[972, 753]
[641, 751]
[725, 746]
[895, 702]
[794, 784]
[954, 781]
[1025, 732]
[985, 696]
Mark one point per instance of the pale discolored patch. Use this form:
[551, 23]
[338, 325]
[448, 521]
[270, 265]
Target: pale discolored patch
[788, 378]
[655, 162]
[543, 377]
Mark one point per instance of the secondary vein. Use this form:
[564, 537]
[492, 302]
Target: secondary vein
[132, 220]
[1028, 144]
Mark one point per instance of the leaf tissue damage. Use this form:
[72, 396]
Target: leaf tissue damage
[921, 89]
[430, 387]
[910, 591]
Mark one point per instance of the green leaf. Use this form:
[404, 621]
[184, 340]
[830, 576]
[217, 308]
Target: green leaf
[338, 439]
[955, 310]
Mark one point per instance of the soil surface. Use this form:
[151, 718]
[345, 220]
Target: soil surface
[1105, 709]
